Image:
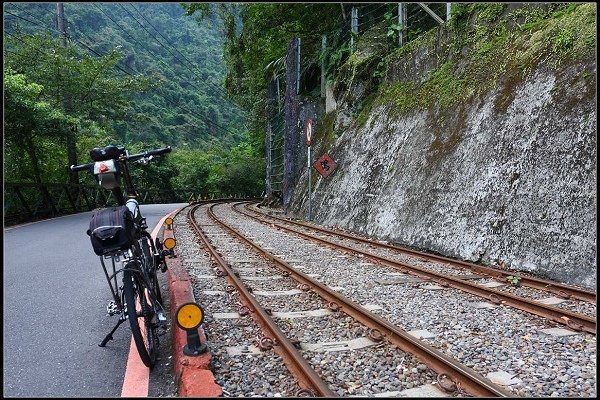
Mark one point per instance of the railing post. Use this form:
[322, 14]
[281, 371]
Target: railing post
[23, 201]
[70, 198]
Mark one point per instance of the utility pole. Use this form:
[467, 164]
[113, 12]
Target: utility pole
[60, 8]
[71, 136]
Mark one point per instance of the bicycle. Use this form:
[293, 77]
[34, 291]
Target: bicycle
[120, 234]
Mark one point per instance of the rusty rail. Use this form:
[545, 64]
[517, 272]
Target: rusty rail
[452, 374]
[289, 353]
[559, 289]
[575, 321]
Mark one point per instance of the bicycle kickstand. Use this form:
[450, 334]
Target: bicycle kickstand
[109, 336]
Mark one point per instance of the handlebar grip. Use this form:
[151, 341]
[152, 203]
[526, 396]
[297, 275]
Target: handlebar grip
[134, 157]
[159, 151]
[83, 167]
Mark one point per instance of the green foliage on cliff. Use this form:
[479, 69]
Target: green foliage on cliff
[491, 44]
[257, 36]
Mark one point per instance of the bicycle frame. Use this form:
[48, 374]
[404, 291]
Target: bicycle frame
[139, 262]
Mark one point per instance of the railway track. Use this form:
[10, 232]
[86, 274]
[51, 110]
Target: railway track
[560, 289]
[452, 277]
[390, 350]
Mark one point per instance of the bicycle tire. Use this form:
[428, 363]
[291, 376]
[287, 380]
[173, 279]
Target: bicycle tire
[141, 317]
[148, 251]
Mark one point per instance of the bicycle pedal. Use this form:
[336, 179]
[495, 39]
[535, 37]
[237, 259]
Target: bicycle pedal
[112, 308]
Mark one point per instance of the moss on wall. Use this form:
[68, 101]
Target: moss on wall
[487, 46]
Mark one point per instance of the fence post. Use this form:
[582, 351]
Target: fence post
[448, 11]
[23, 201]
[402, 20]
[298, 41]
[430, 12]
[323, 49]
[269, 135]
[291, 137]
[354, 26]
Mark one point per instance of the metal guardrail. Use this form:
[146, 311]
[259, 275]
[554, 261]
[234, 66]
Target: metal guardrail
[26, 201]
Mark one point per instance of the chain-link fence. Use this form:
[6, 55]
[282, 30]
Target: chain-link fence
[396, 22]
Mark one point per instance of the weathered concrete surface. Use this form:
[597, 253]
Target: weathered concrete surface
[514, 185]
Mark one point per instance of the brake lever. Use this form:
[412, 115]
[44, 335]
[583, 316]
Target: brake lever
[145, 160]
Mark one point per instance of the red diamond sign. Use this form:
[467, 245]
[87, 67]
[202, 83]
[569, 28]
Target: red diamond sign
[325, 165]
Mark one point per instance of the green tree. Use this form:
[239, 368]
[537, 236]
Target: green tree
[81, 88]
[27, 120]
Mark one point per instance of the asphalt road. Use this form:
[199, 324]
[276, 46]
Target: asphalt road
[55, 297]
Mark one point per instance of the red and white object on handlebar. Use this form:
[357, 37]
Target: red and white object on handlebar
[107, 173]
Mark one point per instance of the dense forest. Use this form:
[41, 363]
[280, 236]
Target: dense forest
[144, 75]
[256, 37]
[152, 74]
[190, 75]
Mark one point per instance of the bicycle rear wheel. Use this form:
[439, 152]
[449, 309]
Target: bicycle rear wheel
[142, 317]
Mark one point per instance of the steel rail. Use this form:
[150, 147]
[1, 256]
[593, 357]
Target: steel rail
[297, 364]
[575, 321]
[560, 289]
[459, 375]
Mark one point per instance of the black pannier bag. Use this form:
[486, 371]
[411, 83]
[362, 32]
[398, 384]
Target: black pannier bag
[111, 229]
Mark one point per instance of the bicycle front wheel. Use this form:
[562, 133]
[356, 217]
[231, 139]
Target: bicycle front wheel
[148, 250]
[142, 317]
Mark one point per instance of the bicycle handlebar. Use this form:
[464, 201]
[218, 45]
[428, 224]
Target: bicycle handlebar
[145, 154]
[82, 167]
[133, 157]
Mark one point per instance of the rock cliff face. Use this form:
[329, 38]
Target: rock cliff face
[507, 177]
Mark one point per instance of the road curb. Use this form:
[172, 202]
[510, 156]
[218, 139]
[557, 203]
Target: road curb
[193, 375]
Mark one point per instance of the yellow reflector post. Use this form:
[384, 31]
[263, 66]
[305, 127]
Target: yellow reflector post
[169, 243]
[189, 316]
[169, 221]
